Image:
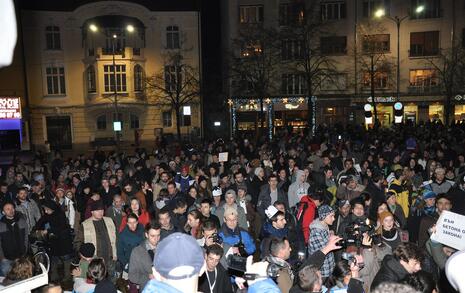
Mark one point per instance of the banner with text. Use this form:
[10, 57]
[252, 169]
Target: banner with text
[450, 230]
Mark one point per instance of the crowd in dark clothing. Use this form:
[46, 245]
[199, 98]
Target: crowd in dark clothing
[283, 201]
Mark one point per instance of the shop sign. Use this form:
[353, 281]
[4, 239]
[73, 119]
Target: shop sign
[459, 97]
[382, 100]
[10, 108]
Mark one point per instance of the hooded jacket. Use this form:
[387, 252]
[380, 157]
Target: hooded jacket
[391, 271]
[297, 190]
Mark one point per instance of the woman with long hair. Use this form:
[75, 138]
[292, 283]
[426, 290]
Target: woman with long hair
[21, 269]
[135, 208]
[193, 225]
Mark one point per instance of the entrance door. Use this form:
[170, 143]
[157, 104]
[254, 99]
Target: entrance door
[59, 132]
[10, 140]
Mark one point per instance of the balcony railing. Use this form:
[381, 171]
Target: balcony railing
[424, 89]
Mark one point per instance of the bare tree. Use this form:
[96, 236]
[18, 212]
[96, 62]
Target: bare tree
[306, 27]
[253, 63]
[376, 67]
[176, 85]
[449, 68]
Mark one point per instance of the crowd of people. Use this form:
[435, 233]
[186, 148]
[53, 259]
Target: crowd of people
[344, 210]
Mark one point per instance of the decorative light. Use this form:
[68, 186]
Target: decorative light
[230, 102]
[291, 107]
[301, 100]
[268, 100]
[380, 13]
[285, 100]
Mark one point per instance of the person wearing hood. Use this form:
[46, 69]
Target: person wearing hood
[54, 225]
[298, 189]
[319, 237]
[230, 202]
[405, 260]
[13, 237]
[130, 237]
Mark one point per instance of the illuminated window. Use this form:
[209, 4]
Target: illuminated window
[251, 14]
[380, 79]
[110, 74]
[379, 43]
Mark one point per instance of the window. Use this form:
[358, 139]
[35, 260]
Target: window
[173, 77]
[293, 84]
[251, 49]
[334, 82]
[251, 14]
[371, 6]
[185, 119]
[380, 79]
[379, 43]
[333, 45]
[431, 8]
[292, 50]
[109, 75]
[102, 122]
[55, 80]
[91, 84]
[424, 44]
[423, 78]
[333, 10]
[138, 78]
[167, 119]
[291, 14]
[52, 38]
[118, 43]
[172, 37]
[134, 120]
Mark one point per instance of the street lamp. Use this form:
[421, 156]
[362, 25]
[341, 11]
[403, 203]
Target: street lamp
[397, 20]
[117, 127]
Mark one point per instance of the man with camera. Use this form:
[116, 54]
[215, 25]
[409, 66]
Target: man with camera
[236, 241]
[215, 279]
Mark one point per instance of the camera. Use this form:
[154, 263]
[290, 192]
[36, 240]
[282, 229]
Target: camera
[216, 238]
[353, 234]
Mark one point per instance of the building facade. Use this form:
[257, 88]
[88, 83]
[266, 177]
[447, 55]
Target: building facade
[354, 34]
[87, 67]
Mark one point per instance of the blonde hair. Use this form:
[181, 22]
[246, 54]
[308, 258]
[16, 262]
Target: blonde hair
[230, 211]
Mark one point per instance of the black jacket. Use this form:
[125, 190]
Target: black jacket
[60, 241]
[222, 283]
[264, 200]
[391, 271]
[377, 197]
[13, 237]
[458, 200]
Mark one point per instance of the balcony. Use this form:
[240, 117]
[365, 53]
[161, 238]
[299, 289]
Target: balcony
[124, 53]
[424, 89]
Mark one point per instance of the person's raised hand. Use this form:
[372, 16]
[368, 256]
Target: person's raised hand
[332, 244]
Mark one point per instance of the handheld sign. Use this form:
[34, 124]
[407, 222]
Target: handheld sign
[450, 230]
[223, 157]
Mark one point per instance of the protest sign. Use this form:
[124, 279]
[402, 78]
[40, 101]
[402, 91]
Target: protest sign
[450, 230]
[223, 157]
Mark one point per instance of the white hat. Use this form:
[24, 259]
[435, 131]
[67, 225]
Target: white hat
[453, 271]
[271, 211]
[217, 191]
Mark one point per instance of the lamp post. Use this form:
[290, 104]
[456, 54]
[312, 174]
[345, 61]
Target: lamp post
[118, 127]
[397, 20]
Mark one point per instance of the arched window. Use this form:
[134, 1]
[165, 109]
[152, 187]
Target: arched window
[52, 38]
[102, 122]
[172, 37]
[138, 78]
[134, 121]
[91, 84]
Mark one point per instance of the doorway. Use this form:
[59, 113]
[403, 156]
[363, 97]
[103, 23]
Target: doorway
[59, 132]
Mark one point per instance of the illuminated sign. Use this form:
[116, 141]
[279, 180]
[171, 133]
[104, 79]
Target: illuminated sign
[10, 108]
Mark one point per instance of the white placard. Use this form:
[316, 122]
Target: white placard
[223, 157]
[450, 230]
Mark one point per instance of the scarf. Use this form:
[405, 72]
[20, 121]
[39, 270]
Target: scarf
[429, 210]
[390, 235]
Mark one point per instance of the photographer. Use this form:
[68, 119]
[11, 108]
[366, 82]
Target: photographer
[236, 240]
[210, 234]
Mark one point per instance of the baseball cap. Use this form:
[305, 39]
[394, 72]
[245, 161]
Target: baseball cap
[178, 256]
[271, 211]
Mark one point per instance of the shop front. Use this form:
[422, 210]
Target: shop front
[10, 123]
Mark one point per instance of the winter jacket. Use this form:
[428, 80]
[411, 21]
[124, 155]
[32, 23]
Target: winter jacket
[457, 195]
[343, 192]
[266, 285]
[241, 220]
[127, 240]
[402, 195]
[268, 232]
[183, 183]
[67, 205]
[391, 271]
[140, 265]
[232, 238]
[308, 216]
[255, 188]
[13, 237]
[426, 222]
[442, 187]
[59, 234]
[31, 212]
[297, 190]
[319, 237]
[264, 200]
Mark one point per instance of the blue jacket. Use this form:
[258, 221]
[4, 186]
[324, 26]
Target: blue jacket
[127, 240]
[183, 181]
[232, 238]
[266, 285]
[269, 231]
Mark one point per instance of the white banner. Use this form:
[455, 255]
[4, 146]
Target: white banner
[450, 230]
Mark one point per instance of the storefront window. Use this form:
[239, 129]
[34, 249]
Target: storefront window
[459, 113]
[436, 112]
[410, 113]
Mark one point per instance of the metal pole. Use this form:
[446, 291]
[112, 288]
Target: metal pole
[115, 90]
[398, 21]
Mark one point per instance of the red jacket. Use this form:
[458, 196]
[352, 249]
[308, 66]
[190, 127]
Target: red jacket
[308, 216]
[144, 219]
